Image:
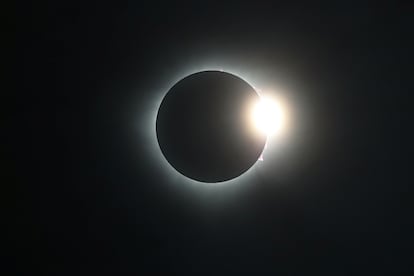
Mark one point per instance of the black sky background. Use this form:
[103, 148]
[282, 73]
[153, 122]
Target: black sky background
[89, 200]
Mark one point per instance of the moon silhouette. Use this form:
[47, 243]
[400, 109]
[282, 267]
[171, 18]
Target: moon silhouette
[203, 127]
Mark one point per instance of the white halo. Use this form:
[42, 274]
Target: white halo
[153, 150]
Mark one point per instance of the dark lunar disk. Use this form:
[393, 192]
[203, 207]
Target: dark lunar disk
[203, 127]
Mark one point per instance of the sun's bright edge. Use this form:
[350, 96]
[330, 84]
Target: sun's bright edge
[268, 116]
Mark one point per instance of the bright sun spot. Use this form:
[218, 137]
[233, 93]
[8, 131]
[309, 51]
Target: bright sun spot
[268, 116]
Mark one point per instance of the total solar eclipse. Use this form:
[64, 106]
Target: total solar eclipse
[204, 126]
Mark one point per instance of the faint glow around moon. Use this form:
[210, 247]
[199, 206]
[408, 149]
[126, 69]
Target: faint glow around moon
[272, 147]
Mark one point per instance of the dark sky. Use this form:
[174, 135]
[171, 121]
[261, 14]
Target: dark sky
[93, 199]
